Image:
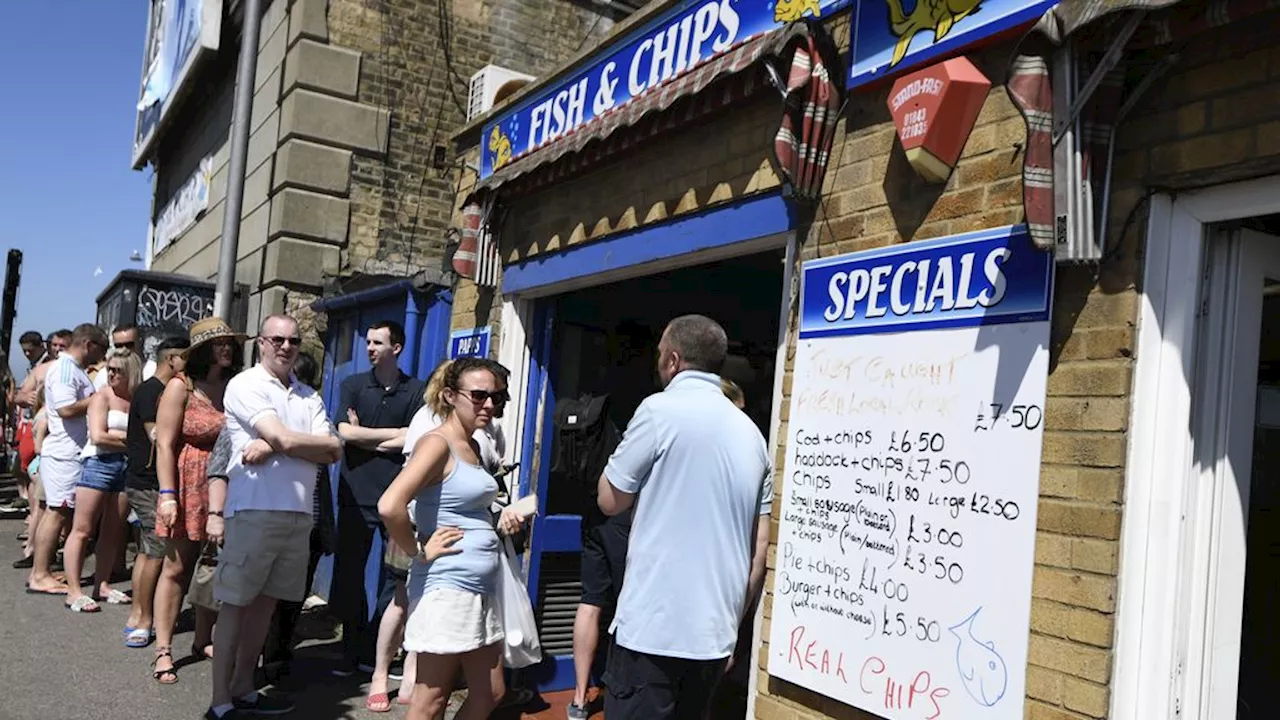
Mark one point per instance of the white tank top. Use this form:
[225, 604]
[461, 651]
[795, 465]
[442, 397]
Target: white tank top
[116, 420]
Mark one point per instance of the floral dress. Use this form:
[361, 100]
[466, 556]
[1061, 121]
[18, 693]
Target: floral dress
[201, 425]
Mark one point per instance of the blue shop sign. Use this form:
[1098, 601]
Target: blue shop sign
[888, 37]
[184, 31]
[670, 44]
[980, 278]
[469, 343]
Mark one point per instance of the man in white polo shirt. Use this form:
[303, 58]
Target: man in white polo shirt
[279, 436]
[697, 471]
[66, 398]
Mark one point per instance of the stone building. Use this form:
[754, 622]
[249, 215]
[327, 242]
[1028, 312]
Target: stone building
[350, 175]
[1147, 593]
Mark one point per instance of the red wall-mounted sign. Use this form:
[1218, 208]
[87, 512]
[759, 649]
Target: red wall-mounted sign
[934, 110]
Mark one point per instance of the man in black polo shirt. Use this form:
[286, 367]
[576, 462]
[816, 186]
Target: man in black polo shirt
[143, 487]
[374, 411]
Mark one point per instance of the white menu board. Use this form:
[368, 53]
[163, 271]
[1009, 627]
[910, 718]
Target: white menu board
[907, 527]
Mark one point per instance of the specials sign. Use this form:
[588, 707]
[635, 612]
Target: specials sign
[954, 282]
[891, 36]
[669, 45]
[907, 527]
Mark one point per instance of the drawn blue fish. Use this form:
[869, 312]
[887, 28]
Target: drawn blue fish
[982, 670]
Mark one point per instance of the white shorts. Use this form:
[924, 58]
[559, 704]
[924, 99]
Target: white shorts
[448, 621]
[59, 478]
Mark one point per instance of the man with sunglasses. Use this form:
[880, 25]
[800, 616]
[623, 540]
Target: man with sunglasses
[374, 411]
[280, 436]
[126, 337]
[67, 390]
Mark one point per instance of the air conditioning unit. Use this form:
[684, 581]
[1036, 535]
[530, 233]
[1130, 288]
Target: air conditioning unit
[490, 85]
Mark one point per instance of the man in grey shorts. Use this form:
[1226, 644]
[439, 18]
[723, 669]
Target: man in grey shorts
[280, 435]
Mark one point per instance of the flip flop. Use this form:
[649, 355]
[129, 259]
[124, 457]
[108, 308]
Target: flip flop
[378, 703]
[55, 591]
[138, 638]
[115, 597]
[84, 604]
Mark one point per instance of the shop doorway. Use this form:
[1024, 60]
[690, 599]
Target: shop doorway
[603, 340]
[1238, 445]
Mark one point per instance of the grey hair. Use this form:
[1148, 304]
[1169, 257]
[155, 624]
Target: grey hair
[276, 316]
[700, 341]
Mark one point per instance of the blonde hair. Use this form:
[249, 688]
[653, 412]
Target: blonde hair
[132, 366]
[733, 391]
[434, 394]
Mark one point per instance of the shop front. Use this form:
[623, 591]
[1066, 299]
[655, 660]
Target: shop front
[976, 370]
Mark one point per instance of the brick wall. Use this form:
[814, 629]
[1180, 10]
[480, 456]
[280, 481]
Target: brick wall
[402, 202]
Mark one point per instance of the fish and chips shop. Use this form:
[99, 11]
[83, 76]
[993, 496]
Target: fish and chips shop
[997, 280]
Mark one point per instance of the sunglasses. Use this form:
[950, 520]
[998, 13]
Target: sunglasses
[128, 345]
[499, 397]
[113, 370]
[280, 340]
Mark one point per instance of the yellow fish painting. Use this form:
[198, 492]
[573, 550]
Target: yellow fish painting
[936, 15]
[500, 146]
[793, 10]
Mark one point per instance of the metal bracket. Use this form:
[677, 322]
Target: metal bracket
[1105, 65]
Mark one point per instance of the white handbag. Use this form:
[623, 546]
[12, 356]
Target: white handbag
[521, 647]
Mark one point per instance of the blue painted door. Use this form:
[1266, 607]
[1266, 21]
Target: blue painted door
[555, 546]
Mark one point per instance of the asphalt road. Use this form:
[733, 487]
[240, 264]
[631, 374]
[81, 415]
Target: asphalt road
[58, 665]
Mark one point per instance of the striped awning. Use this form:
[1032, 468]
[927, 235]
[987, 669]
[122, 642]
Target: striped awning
[1030, 85]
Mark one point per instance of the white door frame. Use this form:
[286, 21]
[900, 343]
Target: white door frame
[1162, 611]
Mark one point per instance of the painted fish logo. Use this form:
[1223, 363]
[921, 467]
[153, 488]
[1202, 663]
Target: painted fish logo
[792, 10]
[500, 146]
[936, 15]
[982, 670]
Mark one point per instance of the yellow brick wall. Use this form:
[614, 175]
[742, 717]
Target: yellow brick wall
[875, 199]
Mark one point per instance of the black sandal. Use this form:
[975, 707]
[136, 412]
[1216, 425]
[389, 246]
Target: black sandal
[167, 676]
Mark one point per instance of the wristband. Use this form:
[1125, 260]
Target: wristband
[216, 513]
[167, 491]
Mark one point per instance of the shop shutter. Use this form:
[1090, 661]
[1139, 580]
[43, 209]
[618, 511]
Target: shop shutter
[559, 589]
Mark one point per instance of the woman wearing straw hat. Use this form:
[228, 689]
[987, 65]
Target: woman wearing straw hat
[188, 422]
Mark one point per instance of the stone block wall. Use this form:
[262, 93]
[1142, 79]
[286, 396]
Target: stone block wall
[350, 169]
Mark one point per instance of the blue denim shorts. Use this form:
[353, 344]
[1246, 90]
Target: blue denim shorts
[104, 472]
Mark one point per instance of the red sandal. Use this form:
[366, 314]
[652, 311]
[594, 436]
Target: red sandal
[378, 702]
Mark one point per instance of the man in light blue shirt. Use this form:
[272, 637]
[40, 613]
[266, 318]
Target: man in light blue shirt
[697, 470]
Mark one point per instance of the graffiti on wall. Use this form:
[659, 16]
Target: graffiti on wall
[171, 307]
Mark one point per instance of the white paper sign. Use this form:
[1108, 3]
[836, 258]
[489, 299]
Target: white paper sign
[907, 531]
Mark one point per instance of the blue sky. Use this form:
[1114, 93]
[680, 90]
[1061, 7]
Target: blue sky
[69, 200]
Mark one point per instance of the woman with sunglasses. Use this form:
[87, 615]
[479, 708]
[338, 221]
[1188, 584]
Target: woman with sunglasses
[453, 583]
[101, 504]
[188, 422]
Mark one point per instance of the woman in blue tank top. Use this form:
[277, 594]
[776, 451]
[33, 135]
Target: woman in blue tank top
[453, 616]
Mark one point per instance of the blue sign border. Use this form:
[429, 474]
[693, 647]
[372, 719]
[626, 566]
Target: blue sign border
[484, 333]
[872, 39]
[589, 80]
[1028, 295]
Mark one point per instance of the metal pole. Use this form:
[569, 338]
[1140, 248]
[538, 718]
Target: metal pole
[241, 114]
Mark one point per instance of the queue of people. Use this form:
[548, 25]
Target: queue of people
[211, 466]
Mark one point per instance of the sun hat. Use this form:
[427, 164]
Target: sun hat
[210, 329]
